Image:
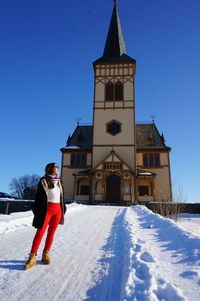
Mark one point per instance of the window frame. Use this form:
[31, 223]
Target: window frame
[113, 92]
[117, 123]
[142, 187]
[151, 160]
[84, 186]
[109, 85]
[77, 160]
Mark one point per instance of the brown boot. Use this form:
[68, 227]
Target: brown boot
[30, 262]
[46, 258]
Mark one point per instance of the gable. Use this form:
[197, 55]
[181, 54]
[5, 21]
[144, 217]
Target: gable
[113, 162]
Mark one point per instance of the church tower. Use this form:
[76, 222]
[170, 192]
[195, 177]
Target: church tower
[114, 150]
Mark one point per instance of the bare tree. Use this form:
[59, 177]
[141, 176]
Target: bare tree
[24, 187]
[178, 199]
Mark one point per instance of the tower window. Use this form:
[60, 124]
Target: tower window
[114, 127]
[118, 91]
[109, 91]
[114, 91]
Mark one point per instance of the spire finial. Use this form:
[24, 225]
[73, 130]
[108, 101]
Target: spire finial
[153, 118]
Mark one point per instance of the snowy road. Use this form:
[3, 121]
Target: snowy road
[105, 253]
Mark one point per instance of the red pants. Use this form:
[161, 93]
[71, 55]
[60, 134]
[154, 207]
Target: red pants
[52, 219]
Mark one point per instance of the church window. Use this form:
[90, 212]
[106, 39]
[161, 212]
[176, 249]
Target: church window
[114, 128]
[157, 159]
[145, 160]
[109, 91]
[85, 190]
[78, 160]
[151, 160]
[143, 190]
[118, 91]
[114, 91]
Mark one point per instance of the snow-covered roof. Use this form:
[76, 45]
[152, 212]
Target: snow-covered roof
[144, 173]
[72, 147]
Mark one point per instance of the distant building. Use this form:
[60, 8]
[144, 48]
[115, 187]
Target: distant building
[116, 160]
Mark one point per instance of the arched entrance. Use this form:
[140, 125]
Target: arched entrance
[113, 188]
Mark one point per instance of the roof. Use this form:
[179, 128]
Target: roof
[148, 137]
[115, 48]
[86, 172]
[81, 138]
[83, 135]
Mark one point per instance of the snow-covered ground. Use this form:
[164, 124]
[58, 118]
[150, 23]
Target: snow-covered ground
[190, 222]
[103, 253]
[16, 200]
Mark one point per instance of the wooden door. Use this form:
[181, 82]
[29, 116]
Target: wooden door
[113, 189]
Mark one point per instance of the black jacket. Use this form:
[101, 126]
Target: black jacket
[40, 204]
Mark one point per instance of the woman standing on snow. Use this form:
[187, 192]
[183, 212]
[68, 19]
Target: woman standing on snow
[49, 209]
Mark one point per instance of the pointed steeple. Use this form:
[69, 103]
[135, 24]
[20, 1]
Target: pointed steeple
[115, 48]
[115, 45]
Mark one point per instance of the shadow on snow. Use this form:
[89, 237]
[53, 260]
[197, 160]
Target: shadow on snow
[113, 267]
[186, 248]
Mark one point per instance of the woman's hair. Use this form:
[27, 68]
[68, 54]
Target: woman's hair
[48, 170]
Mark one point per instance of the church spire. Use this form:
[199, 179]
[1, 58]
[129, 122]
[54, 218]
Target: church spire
[115, 45]
[115, 48]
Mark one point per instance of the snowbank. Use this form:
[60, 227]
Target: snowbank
[20, 220]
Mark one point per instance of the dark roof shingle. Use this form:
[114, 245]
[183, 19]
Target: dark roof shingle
[83, 135]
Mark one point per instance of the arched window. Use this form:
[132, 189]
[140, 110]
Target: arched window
[109, 91]
[114, 91]
[118, 91]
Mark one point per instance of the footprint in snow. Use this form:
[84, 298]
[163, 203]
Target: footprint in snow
[147, 257]
[161, 281]
[167, 292]
[189, 274]
[137, 248]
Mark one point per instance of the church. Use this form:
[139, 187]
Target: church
[115, 160]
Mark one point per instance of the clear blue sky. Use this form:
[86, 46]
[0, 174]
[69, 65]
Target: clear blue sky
[46, 78]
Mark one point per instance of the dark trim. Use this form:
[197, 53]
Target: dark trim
[111, 145]
[79, 167]
[64, 150]
[113, 108]
[154, 149]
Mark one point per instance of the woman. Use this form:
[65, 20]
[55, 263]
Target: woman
[49, 209]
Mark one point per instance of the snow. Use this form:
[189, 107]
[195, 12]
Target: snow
[14, 221]
[103, 253]
[145, 173]
[190, 222]
[72, 147]
[16, 200]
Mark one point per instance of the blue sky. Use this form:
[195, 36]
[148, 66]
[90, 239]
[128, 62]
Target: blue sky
[46, 78]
